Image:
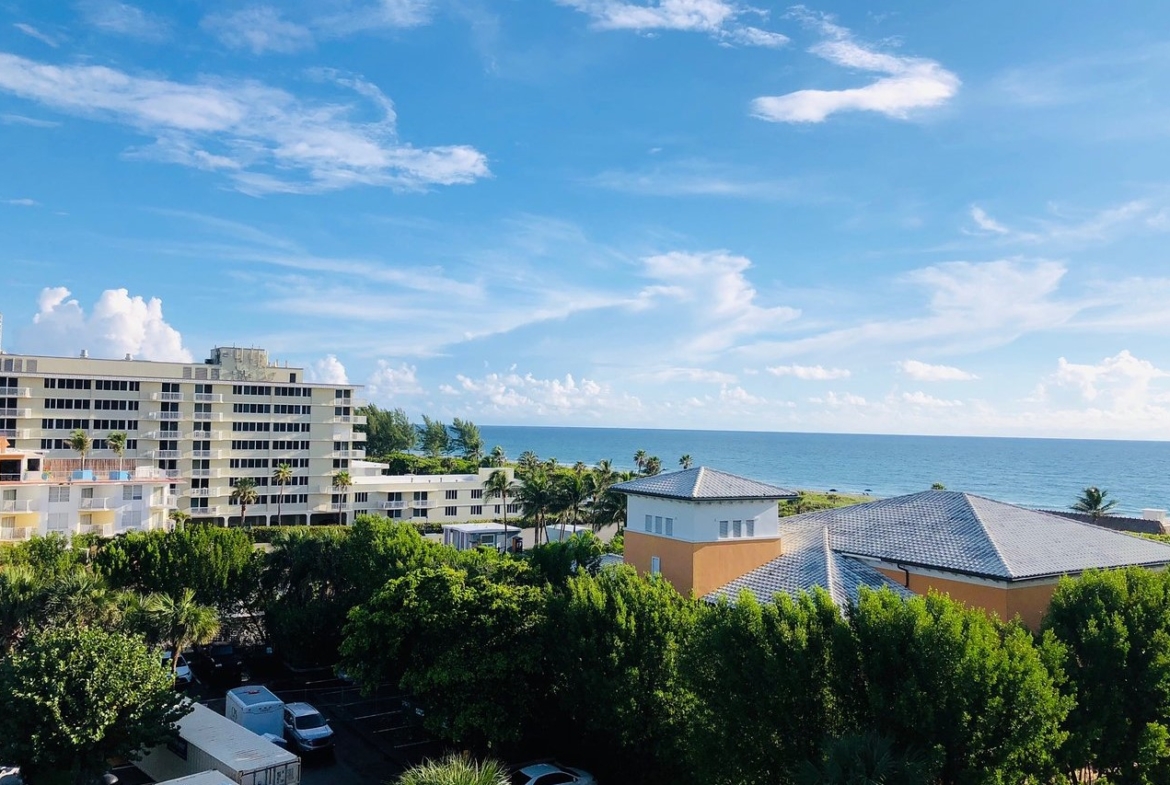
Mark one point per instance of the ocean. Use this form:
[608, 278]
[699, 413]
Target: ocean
[1041, 473]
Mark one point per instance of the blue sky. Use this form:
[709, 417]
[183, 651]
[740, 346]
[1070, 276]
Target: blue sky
[655, 213]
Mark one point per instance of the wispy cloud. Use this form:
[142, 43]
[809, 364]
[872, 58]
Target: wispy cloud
[908, 83]
[920, 398]
[346, 17]
[33, 32]
[508, 393]
[32, 122]
[925, 372]
[116, 18]
[718, 18]
[986, 222]
[24, 202]
[1075, 226]
[703, 375]
[809, 372]
[700, 178]
[264, 139]
[258, 29]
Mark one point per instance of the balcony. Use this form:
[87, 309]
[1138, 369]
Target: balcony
[164, 500]
[424, 504]
[18, 505]
[207, 398]
[198, 493]
[163, 455]
[15, 433]
[9, 534]
[166, 396]
[15, 392]
[216, 436]
[159, 435]
[348, 419]
[353, 403]
[356, 454]
[334, 507]
[95, 504]
[205, 453]
[210, 416]
[100, 529]
[349, 436]
[204, 473]
[165, 415]
[18, 413]
[207, 512]
[398, 505]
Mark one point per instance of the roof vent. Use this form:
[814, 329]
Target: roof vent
[84, 353]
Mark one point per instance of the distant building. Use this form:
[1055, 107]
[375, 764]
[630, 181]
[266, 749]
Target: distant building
[469, 536]
[987, 554]
[427, 498]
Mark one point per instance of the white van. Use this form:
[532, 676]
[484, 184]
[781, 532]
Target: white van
[257, 709]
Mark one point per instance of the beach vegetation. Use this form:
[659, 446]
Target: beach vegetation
[1094, 502]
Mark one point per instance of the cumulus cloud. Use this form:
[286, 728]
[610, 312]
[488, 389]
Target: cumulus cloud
[739, 396]
[388, 380]
[717, 18]
[328, 370]
[1122, 376]
[809, 372]
[692, 375]
[925, 372]
[724, 301]
[118, 324]
[836, 400]
[923, 399]
[511, 393]
[123, 19]
[258, 29]
[907, 83]
[262, 138]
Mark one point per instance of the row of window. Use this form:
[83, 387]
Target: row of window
[291, 408]
[8, 381]
[61, 493]
[251, 426]
[660, 525]
[450, 512]
[251, 389]
[291, 427]
[291, 445]
[293, 392]
[123, 385]
[68, 384]
[85, 403]
[98, 444]
[251, 408]
[263, 463]
[745, 528]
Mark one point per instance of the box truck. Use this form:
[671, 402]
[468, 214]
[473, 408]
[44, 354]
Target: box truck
[209, 741]
[256, 708]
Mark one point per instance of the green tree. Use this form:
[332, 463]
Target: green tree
[973, 695]
[500, 486]
[538, 498]
[76, 697]
[863, 759]
[1116, 628]
[1092, 502]
[462, 644]
[181, 622]
[117, 442]
[652, 466]
[466, 439]
[433, 437]
[282, 475]
[244, 494]
[22, 600]
[341, 485]
[528, 463]
[80, 443]
[640, 460]
[456, 770]
[686, 461]
[387, 430]
[179, 518]
[498, 457]
[572, 493]
[937, 486]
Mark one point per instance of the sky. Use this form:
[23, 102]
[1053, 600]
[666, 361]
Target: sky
[862, 217]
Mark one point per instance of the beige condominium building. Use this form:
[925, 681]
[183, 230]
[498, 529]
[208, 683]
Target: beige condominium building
[201, 426]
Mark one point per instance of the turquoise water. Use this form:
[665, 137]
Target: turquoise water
[1032, 472]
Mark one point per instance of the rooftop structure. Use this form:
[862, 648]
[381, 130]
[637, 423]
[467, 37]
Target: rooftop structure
[702, 484]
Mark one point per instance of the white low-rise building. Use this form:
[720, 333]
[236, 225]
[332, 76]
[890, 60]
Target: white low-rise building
[425, 498]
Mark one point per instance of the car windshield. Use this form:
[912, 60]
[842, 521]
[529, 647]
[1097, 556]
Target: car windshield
[222, 650]
[310, 721]
[182, 661]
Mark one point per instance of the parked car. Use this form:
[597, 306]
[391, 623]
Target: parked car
[306, 729]
[549, 773]
[183, 675]
[218, 663]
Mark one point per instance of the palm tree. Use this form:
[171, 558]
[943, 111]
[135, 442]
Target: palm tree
[1092, 503]
[528, 462]
[117, 442]
[455, 770]
[573, 493]
[640, 460]
[22, 600]
[80, 442]
[81, 598]
[282, 475]
[243, 494]
[652, 466]
[179, 518]
[499, 485]
[341, 483]
[498, 456]
[685, 461]
[537, 498]
[863, 758]
[181, 622]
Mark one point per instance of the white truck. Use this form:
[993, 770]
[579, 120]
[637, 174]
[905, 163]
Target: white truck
[209, 741]
[256, 708]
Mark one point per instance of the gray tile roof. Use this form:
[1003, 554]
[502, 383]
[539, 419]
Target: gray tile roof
[702, 484]
[960, 532]
[809, 560]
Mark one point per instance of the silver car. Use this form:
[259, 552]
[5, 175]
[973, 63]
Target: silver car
[306, 729]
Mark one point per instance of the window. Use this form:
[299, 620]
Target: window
[750, 523]
[452, 494]
[250, 426]
[131, 519]
[477, 493]
[655, 565]
[421, 513]
[361, 498]
[514, 508]
[58, 521]
[420, 496]
[649, 523]
[723, 530]
[658, 524]
[251, 408]
[737, 528]
[393, 513]
[131, 493]
[87, 493]
[670, 527]
[477, 509]
[250, 389]
[450, 512]
[58, 493]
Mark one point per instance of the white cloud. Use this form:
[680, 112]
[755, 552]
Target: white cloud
[1076, 227]
[702, 375]
[700, 178]
[118, 18]
[32, 32]
[923, 399]
[986, 222]
[32, 122]
[328, 370]
[809, 372]
[258, 29]
[836, 401]
[1122, 377]
[723, 302]
[739, 396]
[264, 139]
[717, 18]
[925, 372]
[116, 325]
[511, 393]
[24, 202]
[908, 83]
[388, 381]
[353, 16]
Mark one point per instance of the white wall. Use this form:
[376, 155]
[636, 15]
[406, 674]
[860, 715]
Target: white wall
[698, 521]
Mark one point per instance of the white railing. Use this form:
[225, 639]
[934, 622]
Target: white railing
[197, 492]
[25, 413]
[101, 529]
[15, 433]
[18, 505]
[165, 415]
[13, 534]
[399, 505]
[204, 453]
[159, 435]
[424, 504]
[217, 436]
[334, 507]
[205, 472]
[163, 454]
[348, 419]
[350, 436]
[357, 454]
[164, 500]
[208, 398]
[166, 396]
[16, 392]
[212, 416]
[204, 512]
[95, 504]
